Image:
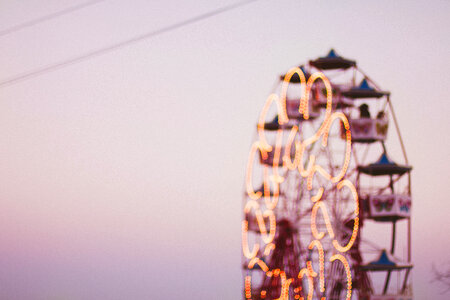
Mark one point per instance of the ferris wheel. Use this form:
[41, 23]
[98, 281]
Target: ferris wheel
[326, 211]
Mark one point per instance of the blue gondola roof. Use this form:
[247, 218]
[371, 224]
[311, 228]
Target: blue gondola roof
[365, 85]
[384, 160]
[364, 90]
[383, 260]
[332, 61]
[384, 166]
[384, 263]
[332, 53]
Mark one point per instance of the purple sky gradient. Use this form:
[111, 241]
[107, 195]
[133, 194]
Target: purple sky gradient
[121, 177]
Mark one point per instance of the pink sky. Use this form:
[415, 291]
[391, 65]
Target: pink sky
[121, 177]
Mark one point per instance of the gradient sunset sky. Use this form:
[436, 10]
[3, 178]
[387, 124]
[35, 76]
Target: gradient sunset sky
[121, 177]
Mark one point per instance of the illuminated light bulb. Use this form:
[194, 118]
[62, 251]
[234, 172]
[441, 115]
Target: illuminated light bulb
[259, 262]
[267, 237]
[271, 203]
[248, 287]
[245, 249]
[249, 205]
[311, 170]
[248, 178]
[349, 184]
[319, 235]
[277, 156]
[287, 151]
[272, 226]
[310, 269]
[262, 119]
[261, 222]
[270, 247]
[263, 265]
[263, 294]
[301, 274]
[348, 144]
[351, 241]
[311, 80]
[343, 260]
[322, 172]
[300, 148]
[285, 283]
[334, 116]
[284, 88]
[317, 196]
[276, 179]
[252, 262]
[312, 159]
[319, 247]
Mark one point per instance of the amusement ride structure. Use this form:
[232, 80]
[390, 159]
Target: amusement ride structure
[326, 211]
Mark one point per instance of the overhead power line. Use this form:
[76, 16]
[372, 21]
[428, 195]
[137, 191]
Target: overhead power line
[48, 17]
[112, 47]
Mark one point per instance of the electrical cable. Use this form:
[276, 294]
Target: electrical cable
[48, 17]
[115, 46]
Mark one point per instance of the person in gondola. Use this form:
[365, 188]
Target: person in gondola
[381, 115]
[364, 111]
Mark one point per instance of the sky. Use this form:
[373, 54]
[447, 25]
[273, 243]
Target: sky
[121, 177]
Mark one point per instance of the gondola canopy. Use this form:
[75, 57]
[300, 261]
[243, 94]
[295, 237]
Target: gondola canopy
[364, 90]
[332, 61]
[384, 263]
[384, 166]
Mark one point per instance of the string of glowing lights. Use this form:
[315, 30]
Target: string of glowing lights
[305, 272]
[275, 158]
[343, 260]
[291, 165]
[248, 178]
[319, 247]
